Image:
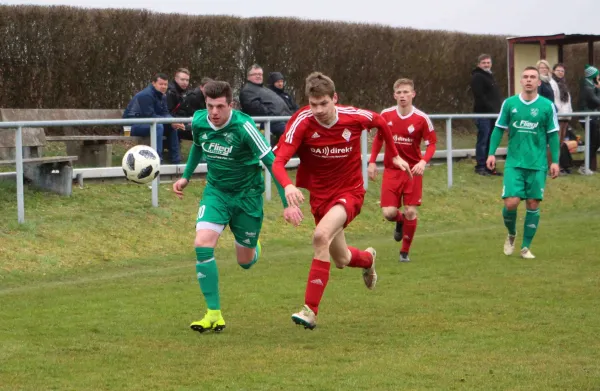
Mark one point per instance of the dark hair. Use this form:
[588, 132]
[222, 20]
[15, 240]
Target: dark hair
[483, 57]
[559, 65]
[159, 75]
[205, 80]
[215, 89]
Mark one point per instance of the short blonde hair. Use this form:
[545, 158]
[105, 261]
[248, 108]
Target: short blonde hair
[317, 85]
[546, 63]
[404, 82]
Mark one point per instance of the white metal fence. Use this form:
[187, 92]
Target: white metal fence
[19, 125]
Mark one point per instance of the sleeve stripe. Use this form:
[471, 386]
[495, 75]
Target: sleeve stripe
[500, 116]
[256, 137]
[264, 154]
[289, 137]
[429, 123]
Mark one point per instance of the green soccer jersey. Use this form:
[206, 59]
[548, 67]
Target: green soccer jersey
[232, 152]
[529, 125]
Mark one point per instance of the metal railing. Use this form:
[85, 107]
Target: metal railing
[19, 125]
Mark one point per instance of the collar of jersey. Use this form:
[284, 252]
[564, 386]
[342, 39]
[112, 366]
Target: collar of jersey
[330, 125]
[406, 116]
[528, 102]
[221, 127]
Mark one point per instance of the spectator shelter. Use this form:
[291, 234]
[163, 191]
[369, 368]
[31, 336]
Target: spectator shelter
[524, 51]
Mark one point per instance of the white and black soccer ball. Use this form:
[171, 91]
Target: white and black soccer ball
[141, 164]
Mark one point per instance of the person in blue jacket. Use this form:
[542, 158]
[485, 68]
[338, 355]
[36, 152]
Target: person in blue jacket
[151, 102]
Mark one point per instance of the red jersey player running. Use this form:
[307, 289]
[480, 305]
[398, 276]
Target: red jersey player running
[409, 127]
[326, 138]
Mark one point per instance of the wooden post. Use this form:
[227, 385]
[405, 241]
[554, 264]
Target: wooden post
[511, 68]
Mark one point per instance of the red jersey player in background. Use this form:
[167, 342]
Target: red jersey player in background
[326, 138]
[409, 127]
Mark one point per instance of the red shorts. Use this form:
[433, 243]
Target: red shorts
[351, 201]
[399, 189]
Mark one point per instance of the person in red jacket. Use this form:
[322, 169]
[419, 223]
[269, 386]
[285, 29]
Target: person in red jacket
[409, 126]
[326, 138]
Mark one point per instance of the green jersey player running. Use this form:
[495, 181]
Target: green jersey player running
[532, 126]
[233, 149]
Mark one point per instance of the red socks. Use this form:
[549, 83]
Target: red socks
[408, 233]
[400, 217]
[318, 276]
[360, 258]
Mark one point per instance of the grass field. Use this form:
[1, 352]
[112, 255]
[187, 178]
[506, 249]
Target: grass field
[97, 292]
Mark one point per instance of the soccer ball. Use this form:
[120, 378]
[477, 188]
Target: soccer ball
[141, 164]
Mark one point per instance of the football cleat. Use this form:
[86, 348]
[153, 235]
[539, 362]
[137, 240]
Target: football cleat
[404, 257]
[213, 320]
[370, 275]
[398, 231]
[526, 254]
[509, 244]
[306, 317]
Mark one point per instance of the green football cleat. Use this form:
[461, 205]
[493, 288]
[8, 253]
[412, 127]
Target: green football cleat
[213, 320]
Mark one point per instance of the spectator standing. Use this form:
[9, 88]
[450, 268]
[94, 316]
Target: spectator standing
[257, 100]
[545, 89]
[276, 84]
[151, 102]
[589, 100]
[487, 100]
[562, 101]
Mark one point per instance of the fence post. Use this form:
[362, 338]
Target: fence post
[587, 151]
[268, 179]
[19, 161]
[449, 150]
[365, 158]
[155, 181]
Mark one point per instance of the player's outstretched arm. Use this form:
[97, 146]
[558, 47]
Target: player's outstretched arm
[554, 142]
[193, 160]
[495, 140]
[292, 214]
[375, 149]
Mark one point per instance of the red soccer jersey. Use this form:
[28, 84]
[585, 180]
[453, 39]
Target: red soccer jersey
[330, 156]
[407, 132]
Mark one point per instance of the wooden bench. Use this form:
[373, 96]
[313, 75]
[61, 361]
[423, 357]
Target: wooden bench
[95, 151]
[52, 173]
[91, 150]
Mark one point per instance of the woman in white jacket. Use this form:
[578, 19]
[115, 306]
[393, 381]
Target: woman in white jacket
[562, 98]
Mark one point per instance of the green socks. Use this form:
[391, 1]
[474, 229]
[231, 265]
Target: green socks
[532, 220]
[208, 276]
[510, 220]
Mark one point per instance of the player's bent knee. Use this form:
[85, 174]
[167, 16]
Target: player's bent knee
[511, 203]
[410, 213]
[390, 216]
[533, 204]
[321, 239]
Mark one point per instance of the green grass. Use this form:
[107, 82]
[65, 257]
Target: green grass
[97, 292]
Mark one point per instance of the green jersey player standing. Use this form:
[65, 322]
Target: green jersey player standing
[532, 125]
[233, 149]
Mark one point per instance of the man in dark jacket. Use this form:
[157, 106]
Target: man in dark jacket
[151, 102]
[589, 100]
[257, 100]
[177, 94]
[276, 83]
[488, 100]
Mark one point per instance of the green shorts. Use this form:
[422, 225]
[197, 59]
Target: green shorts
[242, 212]
[524, 183]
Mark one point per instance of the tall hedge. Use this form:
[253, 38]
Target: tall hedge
[63, 57]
